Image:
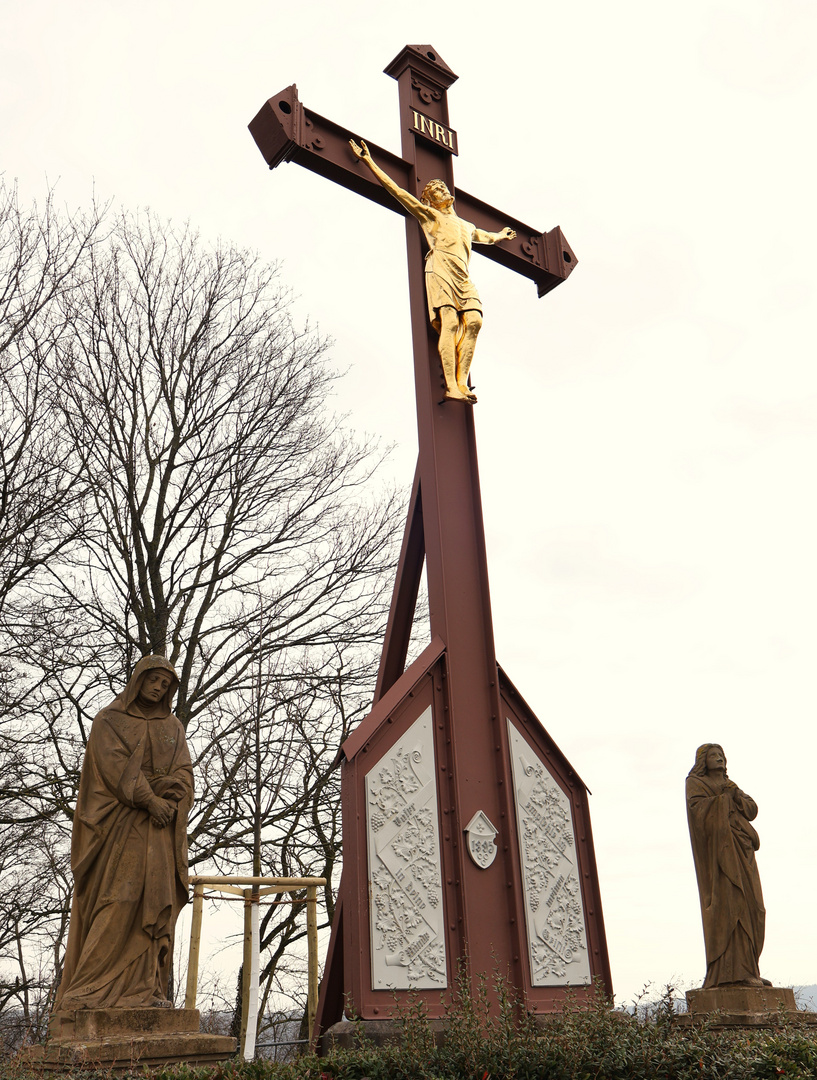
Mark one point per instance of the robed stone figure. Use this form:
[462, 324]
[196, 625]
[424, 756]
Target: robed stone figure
[129, 849]
[723, 846]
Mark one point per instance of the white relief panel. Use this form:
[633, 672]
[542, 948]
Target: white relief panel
[405, 879]
[557, 938]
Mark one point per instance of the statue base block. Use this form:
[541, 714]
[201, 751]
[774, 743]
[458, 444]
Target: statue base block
[744, 1007]
[118, 1039]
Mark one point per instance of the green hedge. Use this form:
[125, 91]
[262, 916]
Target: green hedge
[596, 1043]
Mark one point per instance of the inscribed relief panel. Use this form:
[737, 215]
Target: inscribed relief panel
[405, 878]
[557, 939]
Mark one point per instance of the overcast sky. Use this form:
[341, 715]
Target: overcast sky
[647, 432]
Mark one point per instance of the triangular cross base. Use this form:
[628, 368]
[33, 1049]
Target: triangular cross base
[496, 871]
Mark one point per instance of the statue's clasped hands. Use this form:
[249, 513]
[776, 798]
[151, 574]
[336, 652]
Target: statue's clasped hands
[161, 811]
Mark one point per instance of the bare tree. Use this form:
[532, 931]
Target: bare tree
[40, 251]
[223, 495]
[41, 499]
[286, 794]
[221, 516]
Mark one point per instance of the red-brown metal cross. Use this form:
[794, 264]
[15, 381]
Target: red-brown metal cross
[450, 751]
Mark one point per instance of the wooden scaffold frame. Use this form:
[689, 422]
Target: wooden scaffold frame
[258, 887]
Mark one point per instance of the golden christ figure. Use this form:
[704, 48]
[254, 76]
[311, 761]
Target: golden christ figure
[454, 306]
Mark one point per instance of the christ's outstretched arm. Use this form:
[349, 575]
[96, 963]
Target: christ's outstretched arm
[413, 205]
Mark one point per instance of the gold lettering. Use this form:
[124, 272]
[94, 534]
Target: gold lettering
[423, 125]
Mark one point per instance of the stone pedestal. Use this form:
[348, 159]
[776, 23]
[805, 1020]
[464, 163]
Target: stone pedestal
[118, 1039]
[744, 1007]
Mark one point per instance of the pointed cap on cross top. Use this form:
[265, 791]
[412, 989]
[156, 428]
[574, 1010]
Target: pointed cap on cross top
[425, 59]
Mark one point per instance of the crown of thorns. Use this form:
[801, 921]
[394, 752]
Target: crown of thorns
[426, 195]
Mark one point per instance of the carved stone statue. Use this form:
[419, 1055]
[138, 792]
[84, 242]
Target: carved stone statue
[454, 307]
[724, 846]
[129, 849]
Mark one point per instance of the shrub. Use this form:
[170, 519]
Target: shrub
[579, 1043]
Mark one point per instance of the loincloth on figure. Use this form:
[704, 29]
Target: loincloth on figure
[448, 285]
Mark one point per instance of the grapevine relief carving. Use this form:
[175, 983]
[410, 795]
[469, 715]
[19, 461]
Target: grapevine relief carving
[405, 879]
[557, 938]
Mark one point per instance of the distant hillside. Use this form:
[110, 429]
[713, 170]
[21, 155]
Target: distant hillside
[806, 997]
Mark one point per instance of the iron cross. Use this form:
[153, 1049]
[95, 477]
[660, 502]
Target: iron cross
[466, 833]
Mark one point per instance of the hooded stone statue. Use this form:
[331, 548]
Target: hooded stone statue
[723, 847]
[129, 849]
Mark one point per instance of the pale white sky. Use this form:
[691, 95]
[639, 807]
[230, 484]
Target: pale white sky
[647, 432]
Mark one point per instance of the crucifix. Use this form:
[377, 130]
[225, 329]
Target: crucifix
[467, 848]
